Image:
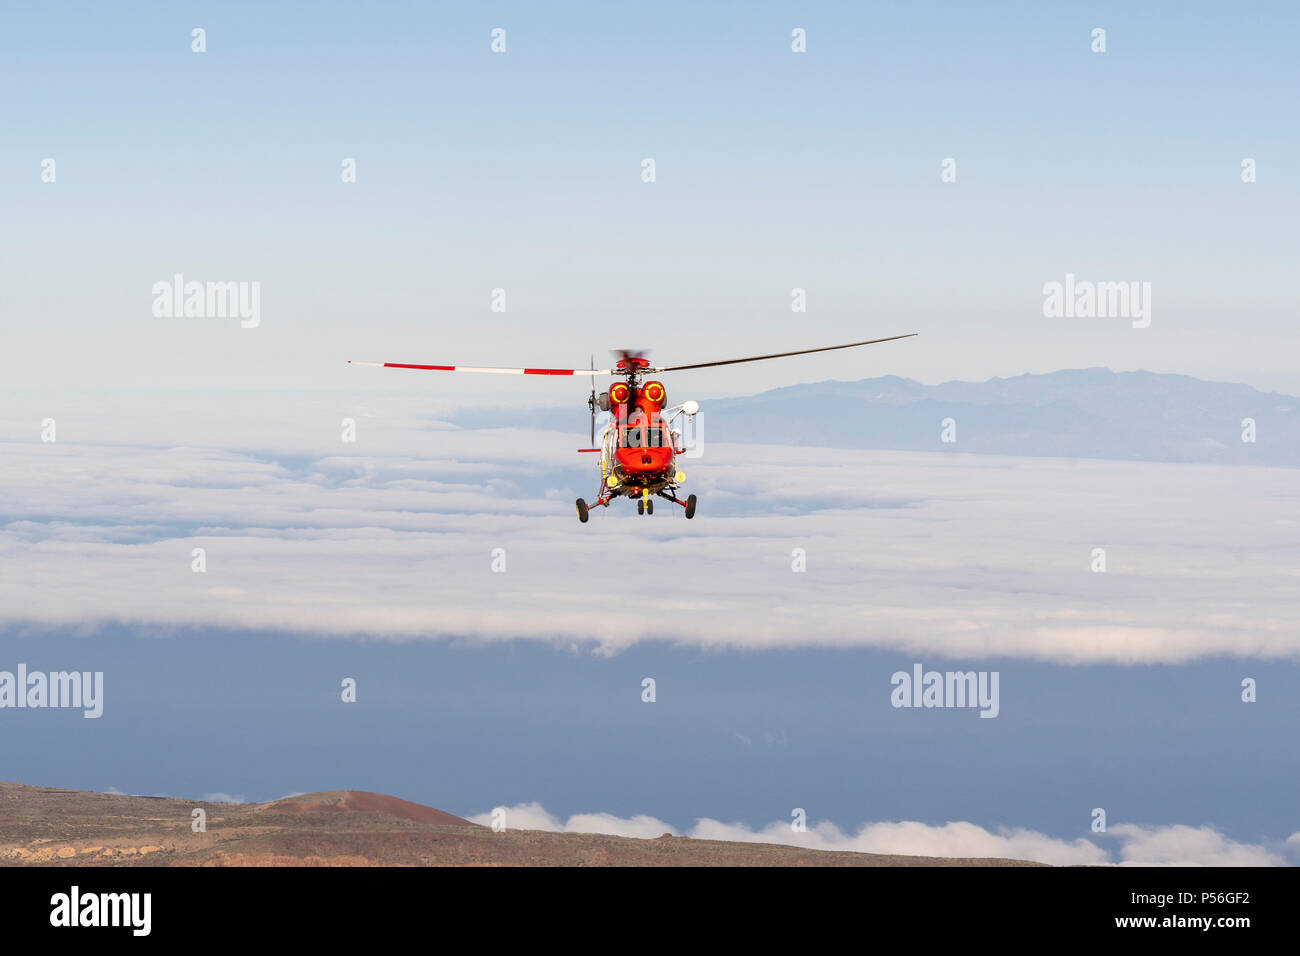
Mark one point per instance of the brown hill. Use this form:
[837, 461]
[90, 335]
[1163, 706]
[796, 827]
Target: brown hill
[44, 826]
[361, 801]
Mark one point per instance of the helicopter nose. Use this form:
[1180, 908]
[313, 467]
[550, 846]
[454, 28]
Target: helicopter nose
[641, 461]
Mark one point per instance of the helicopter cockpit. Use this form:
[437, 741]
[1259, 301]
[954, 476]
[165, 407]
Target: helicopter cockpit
[652, 435]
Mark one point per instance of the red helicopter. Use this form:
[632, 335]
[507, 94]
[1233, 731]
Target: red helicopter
[640, 445]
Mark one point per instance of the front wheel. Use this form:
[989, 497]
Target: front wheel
[582, 511]
[690, 507]
[640, 506]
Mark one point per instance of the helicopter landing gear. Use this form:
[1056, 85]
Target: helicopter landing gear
[582, 511]
[688, 504]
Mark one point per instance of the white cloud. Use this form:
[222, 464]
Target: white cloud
[642, 826]
[532, 816]
[1187, 846]
[909, 838]
[1175, 845]
[930, 554]
[222, 798]
[524, 816]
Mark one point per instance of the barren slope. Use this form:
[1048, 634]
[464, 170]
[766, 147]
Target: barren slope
[43, 826]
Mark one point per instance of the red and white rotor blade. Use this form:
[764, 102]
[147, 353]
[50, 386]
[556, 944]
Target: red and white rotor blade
[494, 371]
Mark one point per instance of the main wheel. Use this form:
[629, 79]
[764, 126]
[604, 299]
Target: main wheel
[690, 507]
[582, 511]
[640, 506]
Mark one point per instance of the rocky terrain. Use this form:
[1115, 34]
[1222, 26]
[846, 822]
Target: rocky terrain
[48, 827]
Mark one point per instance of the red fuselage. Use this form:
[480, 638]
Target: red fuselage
[644, 451]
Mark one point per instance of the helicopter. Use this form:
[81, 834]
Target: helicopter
[640, 444]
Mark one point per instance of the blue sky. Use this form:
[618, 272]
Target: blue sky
[521, 171]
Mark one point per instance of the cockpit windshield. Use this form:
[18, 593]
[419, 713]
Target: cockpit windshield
[652, 435]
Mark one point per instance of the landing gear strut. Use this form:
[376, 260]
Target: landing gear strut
[688, 504]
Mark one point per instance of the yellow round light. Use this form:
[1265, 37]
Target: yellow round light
[612, 481]
[680, 476]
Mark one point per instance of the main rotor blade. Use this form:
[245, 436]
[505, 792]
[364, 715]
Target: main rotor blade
[592, 401]
[498, 371]
[760, 358]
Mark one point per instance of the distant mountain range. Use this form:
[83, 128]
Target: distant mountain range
[1073, 413]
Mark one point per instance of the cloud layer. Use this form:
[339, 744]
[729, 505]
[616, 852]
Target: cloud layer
[958, 555]
[1176, 845]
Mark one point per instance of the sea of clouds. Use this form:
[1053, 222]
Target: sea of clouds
[397, 535]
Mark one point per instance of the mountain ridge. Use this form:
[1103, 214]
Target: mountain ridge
[1070, 413]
